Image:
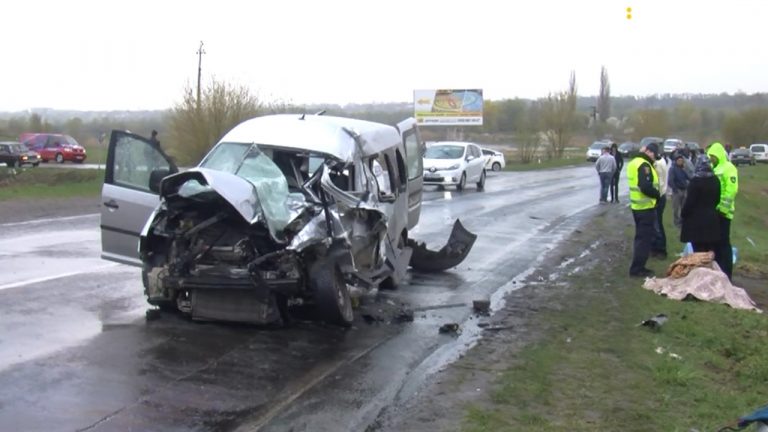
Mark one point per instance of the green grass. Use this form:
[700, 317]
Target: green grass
[96, 154]
[610, 377]
[751, 219]
[32, 183]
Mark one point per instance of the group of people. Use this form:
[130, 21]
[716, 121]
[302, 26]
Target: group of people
[703, 191]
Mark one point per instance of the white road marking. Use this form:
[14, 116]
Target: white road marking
[58, 276]
[56, 219]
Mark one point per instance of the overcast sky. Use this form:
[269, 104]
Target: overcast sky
[139, 54]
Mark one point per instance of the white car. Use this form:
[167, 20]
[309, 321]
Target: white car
[596, 149]
[760, 151]
[494, 160]
[451, 163]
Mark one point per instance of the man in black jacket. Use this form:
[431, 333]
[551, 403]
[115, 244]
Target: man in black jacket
[616, 174]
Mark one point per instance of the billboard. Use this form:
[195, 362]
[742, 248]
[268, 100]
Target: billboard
[448, 107]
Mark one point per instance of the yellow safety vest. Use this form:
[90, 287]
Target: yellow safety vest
[639, 200]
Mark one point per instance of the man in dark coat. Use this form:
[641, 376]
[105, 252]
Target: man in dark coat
[615, 180]
[701, 224]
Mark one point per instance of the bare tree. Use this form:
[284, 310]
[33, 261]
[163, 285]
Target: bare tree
[604, 99]
[528, 137]
[559, 118]
[222, 106]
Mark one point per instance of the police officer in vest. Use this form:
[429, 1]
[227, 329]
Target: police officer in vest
[643, 193]
[728, 176]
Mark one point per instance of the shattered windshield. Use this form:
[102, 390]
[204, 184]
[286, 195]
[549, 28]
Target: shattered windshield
[444, 152]
[251, 163]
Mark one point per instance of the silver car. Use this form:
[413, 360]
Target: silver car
[284, 210]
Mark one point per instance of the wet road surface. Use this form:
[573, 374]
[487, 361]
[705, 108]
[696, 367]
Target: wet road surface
[76, 352]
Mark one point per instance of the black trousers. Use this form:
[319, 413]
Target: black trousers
[660, 239]
[723, 250]
[644, 235]
[615, 186]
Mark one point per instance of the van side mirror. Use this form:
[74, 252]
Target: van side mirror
[155, 177]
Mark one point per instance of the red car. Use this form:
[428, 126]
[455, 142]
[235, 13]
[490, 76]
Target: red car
[54, 147]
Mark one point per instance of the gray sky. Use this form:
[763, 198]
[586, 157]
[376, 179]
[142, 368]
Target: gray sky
[98, 55]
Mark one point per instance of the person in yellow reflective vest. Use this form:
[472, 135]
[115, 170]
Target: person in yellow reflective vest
[728, 176]
[643, 193]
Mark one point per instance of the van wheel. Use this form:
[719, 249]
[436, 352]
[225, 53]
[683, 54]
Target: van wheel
[481, 183]
[496, 167]
[462, 183]
[59, 158]
[332, 299]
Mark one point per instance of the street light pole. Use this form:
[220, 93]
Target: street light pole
[199, 53]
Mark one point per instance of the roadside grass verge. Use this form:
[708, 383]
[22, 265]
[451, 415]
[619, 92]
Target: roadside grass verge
[596, 369]
[749, 229]
[35, 183]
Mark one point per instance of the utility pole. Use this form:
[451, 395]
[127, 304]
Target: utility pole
[199, 53]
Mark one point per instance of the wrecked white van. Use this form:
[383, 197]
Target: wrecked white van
[285, 209]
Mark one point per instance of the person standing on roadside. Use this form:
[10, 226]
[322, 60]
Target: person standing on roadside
[605, 166]
[615, 180]
[659, 246]
[643, 194]
[678, 183]
[728, 176]
[700, 220]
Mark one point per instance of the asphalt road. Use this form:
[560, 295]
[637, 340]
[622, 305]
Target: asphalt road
[77, 354]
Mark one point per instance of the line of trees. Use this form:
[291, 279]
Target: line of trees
[543, 127]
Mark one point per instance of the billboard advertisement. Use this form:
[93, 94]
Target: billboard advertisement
[448, 107]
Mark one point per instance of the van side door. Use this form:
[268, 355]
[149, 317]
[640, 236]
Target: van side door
[414, 162]
[130, 193]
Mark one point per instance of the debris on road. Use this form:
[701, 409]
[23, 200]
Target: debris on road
[153, 314]
[404, 315]
[435, 307]
[450, 328]
[482, 307]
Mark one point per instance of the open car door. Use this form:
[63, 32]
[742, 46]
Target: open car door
[414, 161]
[135, 166]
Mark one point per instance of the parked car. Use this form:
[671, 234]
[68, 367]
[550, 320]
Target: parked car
[692, 146]
[672, 144]
[13, 154]
[742, 156]
[594, 150]
[629, 149]
[651, 139]
[452, 163]
[494, 160]
[54, 147]
[285, 210]
[760, 152]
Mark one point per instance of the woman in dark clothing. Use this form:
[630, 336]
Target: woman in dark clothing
[616, 174]
[701, 226]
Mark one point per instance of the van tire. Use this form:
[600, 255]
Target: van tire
[332, 300]
[481, 183]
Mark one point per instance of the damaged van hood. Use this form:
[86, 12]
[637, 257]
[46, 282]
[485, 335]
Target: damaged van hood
[264, 201]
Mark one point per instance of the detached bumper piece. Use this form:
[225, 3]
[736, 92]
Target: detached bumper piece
[449, 256]
[246, 306]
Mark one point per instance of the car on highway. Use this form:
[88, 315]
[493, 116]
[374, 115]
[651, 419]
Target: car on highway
[14, 154]
[54, 147]
[494, 160]
[629, 149]
[454, 163]
[742, 156]
[692, 146]
[760, 151]
[595, 149]
[285, 210]
[651, 139]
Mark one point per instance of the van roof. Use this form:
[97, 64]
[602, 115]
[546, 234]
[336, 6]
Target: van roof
[316, 133]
